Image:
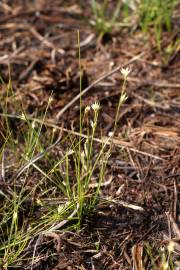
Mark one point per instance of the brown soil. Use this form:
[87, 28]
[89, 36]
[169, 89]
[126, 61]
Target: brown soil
[38, 44]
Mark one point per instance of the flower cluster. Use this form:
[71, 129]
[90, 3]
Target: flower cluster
[95, 106]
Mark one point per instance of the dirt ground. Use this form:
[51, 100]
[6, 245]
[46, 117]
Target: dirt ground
[38, 48]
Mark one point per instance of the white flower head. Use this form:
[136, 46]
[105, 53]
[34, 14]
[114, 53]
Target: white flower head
[111, 134]
[87, 109]
[125, 72]
[95, 106]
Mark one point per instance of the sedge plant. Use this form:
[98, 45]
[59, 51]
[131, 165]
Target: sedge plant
[161, 259]
[156, 14]
[104, 22]
[65, 190]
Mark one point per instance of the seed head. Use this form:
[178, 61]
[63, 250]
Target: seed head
[87, 109]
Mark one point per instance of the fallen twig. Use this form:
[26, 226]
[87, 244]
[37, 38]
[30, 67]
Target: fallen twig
[95, 83]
